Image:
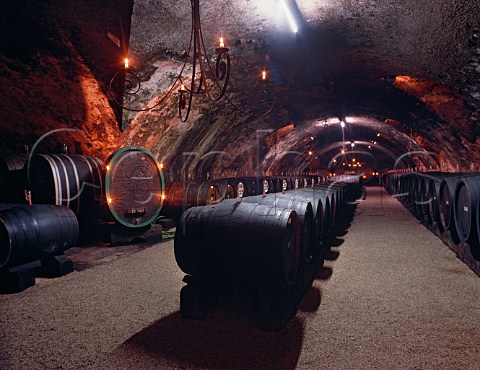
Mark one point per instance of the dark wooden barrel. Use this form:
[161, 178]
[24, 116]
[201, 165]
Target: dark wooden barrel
[248, 243]
[75, 181]
[446, 204]
[467, 196]
[28, 233]
[434, 199]
[424, 196]
[180, 196]
[304, 210]
[226, 188]
[134, 187]
[325, 191]
[13, 180]
[321, 211]
[251, 185]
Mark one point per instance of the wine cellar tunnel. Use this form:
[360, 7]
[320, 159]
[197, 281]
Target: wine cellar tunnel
[154, 139]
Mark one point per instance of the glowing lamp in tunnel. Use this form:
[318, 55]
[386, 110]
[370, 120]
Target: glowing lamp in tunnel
[334, 161]
[222, 44]
[289, 15]
[108, 167]
[342, 151]
[352, 144]
[378, 135]
[264, 75]
[161, 166]
[312, 138]
[369, 147]
[364, 176]
[163, 196]
[126, 64]
[109, 200]
[310, 153]
[353, 159]
[342, 124]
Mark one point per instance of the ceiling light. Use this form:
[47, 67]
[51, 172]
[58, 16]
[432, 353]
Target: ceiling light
[289, 15]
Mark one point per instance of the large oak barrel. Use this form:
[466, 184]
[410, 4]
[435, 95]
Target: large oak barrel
[13, 180]
[134, 187]
[28, 233]
[249, 244]
[467, 195]
[304, 210]
[75, 181]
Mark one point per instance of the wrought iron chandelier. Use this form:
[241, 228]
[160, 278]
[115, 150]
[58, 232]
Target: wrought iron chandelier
[212, 81]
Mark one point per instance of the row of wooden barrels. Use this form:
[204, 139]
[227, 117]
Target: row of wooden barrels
[447, 201]
[69, 195]
[180, 196]
[129, 189]
[269, 241]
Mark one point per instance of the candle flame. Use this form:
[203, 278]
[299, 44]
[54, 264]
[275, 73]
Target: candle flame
[182, 88]
[109, 200]
[264, 75]
[126, 63]
[222, 45]
[108, 167]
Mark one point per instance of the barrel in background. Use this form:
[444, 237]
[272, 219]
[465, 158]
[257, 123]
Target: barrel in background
[134, 187]
[75, 181]
[13, 180]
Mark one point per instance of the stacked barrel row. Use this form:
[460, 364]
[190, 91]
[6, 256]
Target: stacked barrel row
[447, 203]
[266, 243]
[180, 196]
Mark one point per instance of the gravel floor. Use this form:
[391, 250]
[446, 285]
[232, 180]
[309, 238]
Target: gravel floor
[391, 296]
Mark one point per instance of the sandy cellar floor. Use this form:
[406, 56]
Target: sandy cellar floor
[391, 295]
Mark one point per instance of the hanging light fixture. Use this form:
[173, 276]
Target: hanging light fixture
[213, 80]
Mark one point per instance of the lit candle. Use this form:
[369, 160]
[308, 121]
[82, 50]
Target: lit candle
[222, 45]
[264, 75]
[126, 63]
[182, 88]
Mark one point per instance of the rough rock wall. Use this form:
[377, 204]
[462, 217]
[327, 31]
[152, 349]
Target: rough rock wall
[56, 59]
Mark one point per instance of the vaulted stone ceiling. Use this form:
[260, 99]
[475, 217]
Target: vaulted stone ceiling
[342, 62]
[404, 76]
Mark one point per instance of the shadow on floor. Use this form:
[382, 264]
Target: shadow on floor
[311, 300]
[324, 273]
[224, 339]
[332, 255]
